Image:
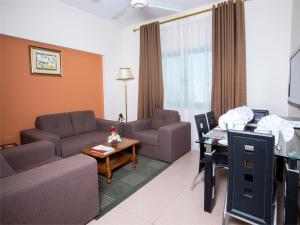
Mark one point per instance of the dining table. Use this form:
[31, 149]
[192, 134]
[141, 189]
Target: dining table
[286, 154]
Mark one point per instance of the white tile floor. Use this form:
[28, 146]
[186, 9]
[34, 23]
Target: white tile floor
[168, 200]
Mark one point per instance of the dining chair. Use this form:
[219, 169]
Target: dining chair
[201, 124]
[202, 129]
[258, 114]
[251, 195]
[211, 119]
[221, 156]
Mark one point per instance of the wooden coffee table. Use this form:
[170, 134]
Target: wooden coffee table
[114, 159]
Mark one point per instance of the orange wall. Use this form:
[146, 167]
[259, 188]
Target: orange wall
[24, 96]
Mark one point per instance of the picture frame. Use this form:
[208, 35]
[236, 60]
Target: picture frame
[44, 61]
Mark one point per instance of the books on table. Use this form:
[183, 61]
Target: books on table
[101, 149]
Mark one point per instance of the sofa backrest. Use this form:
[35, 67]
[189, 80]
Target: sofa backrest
[83, 121]
[5, 168]
[162, 118]
[59, 124]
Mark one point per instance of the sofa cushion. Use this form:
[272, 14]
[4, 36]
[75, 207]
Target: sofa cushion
[148, 137]
[5, 168]
[95, 137]
[83, 121]
[162, 118]
[73, 145]
[59, 124]
[50, 160]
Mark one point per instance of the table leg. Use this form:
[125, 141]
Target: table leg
[108, 170]
[209, 182]
[279, 168]
[291, 193]
[201, 163]
[133, 157]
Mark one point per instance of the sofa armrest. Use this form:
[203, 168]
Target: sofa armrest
[62, 192]
[32, 135]
[104, 125]
[131, 127]
[174, 140]
[25, 155]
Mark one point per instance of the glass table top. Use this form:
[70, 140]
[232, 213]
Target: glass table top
[290, 149]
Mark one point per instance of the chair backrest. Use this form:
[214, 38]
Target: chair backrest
[250, 187]
[59, 124]
[163, 117]
[201, 124]
[212, 122]
[258, 114]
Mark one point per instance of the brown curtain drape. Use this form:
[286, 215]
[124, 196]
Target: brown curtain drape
[151, 93]
[229, 57]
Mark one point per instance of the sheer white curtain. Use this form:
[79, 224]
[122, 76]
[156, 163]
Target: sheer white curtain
[187, 67]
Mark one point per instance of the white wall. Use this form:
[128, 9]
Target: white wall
[268, 28]
[54, 22]
[295, 43]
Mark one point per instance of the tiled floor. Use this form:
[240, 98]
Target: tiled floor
[168, 200]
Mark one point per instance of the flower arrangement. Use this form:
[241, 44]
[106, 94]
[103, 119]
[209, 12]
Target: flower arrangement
[114, 138]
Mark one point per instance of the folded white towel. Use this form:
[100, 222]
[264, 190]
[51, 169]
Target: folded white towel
[275, 125]
[236, 118]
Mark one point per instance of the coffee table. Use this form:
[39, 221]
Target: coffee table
[118, 157]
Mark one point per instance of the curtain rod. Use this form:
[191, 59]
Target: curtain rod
[184, 16]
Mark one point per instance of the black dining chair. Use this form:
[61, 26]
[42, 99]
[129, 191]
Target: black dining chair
[251, 193]
[201, 124]
[258, 114]
[202, 128]
[221, 152]
[211, 119]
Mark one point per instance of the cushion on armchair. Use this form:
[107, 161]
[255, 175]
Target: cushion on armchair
[83, 121]
[148, 137]
[162, 118]
[94, 137]
[59, 124]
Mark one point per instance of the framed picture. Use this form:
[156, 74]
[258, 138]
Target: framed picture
[45, 61]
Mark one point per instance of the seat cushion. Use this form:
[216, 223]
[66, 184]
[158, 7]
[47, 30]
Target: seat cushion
[5, 169]
[95, 138]
[52, 159]
[162, 118]
[73, 145]
[83, 121]
[148, 137]
[59, 124]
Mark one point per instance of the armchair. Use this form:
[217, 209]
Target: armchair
[38, 187]
[163, 137]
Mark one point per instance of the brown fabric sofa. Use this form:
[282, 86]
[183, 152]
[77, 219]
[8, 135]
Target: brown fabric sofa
[70, 132]
[162, 137]
[37, 187]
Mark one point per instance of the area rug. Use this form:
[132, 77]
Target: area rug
[126, 180]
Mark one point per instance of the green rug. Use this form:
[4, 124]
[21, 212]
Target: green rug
[126, 180]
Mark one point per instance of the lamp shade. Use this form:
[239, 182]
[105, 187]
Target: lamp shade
[124, 74]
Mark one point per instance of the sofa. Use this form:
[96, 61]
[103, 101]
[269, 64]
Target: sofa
[163, 137]
[70, 132]
[38, 187]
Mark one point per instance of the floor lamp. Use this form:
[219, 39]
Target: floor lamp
[125, 74]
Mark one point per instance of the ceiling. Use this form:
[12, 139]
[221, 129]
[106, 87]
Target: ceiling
[113, 10]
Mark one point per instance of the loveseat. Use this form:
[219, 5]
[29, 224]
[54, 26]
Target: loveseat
[163, 137]
[38, 187]
[70, 132]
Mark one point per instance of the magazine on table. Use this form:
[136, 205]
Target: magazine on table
[102, 149]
